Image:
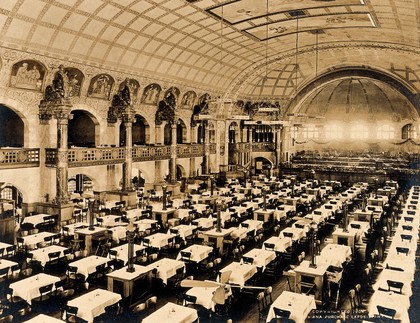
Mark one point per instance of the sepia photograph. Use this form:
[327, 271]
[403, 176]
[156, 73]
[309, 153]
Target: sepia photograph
[209, 161]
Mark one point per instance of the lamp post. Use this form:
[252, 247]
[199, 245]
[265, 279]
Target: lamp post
[212, 185]
[130, 239]
[90, 198]
[219, 222]
[264, 193]
[245, 176]
[345, 210]
[164, 188]
[313, 231]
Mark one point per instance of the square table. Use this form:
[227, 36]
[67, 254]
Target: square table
[87, 266]
[347, 238]
[118, 232]
[4, 263]
[400, 303]
[35, 219]
[74, 226]
[28, 288]
[387, 274]
[4, 245]
[174, 313]
[253, 225]
[239, 232]
[122, 251]
[299, 305]
[182, 213]
[241, 210]
[280, 244]
[93, 303]
[261, 257]
[184, 230]
[264, 215]
[128, 278]
[204, 223]
[304, 271]
[145, 224]
[110, 220]
[205, 295]
[296, 233]
[89, 234]
[334, 254]
[133, 214]
[33, 239]
[42, 318]
[166, 268]
[41, 254]
[241, 273]
[216, 237]
[198, 252]
[158, 240]
[162, 215]
[200, 207]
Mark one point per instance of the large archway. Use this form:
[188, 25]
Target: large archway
[141, 131]
[10, 192]
[82, 129]
[78, 184]
[12, 128]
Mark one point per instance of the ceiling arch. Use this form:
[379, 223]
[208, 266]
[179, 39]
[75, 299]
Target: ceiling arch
[213, 44]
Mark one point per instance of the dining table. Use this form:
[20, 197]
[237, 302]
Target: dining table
[93, 303]
[166, 268]
[42, 254]
[28, 288]
[261, 257]
[198, 252]
[240, 272]
[87, 265]
[299, 306]
[122, 251]
[174, 313]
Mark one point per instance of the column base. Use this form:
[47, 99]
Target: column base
[130, 197]
[64, 211]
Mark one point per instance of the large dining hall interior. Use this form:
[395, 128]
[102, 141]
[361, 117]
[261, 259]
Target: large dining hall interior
[209, 161]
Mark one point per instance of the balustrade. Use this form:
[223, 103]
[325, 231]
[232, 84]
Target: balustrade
[19, 157]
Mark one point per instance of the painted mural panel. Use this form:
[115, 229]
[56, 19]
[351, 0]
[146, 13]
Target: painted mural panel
[100, 86]
[28, 75]
[76, 79]
[134, 87]
[188, 99]
[151, 94]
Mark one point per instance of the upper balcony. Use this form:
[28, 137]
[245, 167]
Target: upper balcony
[78, 157]
[19, 157]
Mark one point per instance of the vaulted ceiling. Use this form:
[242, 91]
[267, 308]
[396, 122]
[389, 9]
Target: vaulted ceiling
[238, 48]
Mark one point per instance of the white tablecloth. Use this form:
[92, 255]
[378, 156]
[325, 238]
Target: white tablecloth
[261, 257]
[240, 272]
[144, 224]
[166, 268]
[299, 306]
[42, 253]
[334, 254]
[205, 295]
[122, 251]
[110, 220]
[174, 313]
[184, 230]
[35, 219]
[92, 304]
[28, 288]
[33, 239]
[182, 213]
[42, 318]
[75, 226]
[297, 233]
[86, 266]
[198, 252]
[387, 274]
[118, 232]
[4, 263]
[280, 244]
[204, 223]
[400, 303]
[159, 240]
[134, 214]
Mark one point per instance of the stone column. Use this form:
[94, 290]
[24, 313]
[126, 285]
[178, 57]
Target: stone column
[172, 161]
[128, 120]
[206, 148]
[250, 141]
[62, 116]
[278, 144]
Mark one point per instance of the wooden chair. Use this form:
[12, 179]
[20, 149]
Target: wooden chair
[386, 312]
[280, 313]
[395, 286]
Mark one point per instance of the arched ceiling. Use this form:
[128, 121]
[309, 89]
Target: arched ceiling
[221, 45]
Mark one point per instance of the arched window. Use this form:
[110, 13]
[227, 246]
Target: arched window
[385, 132]
[359, 131]
[408, 132]
[310, 131]
[333, 131]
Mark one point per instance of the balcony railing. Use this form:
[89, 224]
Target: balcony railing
[262, 146]
[115, 155]
[19, 157]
